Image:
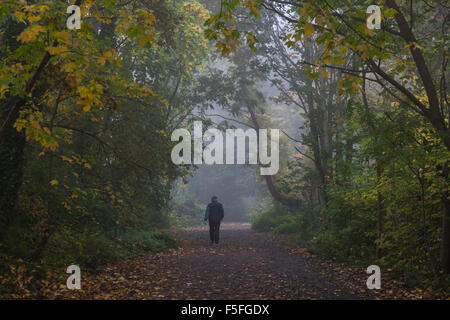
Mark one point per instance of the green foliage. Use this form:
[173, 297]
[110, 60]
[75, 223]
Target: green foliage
[273, 217]
[89, 251]
[86, 149]
[371, 168]
[269, 219]
[138, 242]
[409, 186]
[93, 251]
[185, 209]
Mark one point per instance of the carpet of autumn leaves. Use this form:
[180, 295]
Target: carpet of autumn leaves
[246, 265]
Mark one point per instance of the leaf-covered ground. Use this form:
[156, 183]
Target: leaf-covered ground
[245, 265]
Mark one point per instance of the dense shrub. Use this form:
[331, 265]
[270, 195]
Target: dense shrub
[185, 209]
[349, 236]
[138, 242]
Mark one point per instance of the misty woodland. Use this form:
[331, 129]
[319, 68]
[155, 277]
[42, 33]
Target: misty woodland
[324, 135]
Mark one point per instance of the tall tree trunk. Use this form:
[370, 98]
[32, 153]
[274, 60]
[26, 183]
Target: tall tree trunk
[379, 211]
[11, 165]
[445, 244]
[318, 155]
[12, 143]
[372, 130]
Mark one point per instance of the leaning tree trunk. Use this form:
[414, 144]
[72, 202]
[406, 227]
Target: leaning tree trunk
[289, 202]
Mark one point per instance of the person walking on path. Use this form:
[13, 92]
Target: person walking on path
[214, 213]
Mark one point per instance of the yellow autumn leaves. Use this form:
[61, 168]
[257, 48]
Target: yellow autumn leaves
[252, 5]
[31, 33]
[31, 120]
[309, 29]
[110, 55]
[89, 95]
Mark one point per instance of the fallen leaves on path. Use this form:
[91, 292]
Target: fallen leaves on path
[246, 265]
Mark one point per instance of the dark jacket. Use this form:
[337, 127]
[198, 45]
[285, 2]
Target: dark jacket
[214, 212]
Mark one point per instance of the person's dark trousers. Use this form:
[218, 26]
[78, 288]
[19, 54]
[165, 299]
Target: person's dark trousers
[214, 230]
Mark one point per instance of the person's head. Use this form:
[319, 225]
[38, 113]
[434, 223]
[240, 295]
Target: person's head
[214, 199]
